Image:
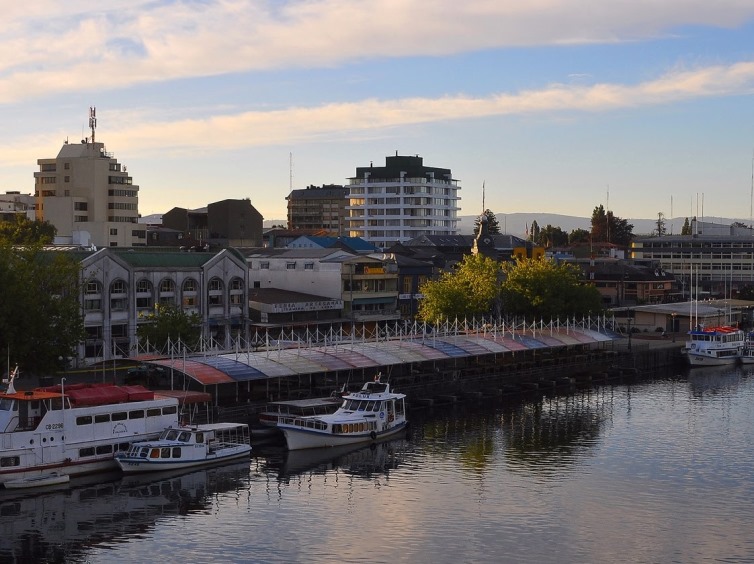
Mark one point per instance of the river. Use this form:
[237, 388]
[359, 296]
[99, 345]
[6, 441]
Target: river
[658, 470]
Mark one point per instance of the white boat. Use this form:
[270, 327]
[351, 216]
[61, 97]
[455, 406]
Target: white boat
[372, 413]
[187, 447]
[275, 410]
[40, 481]
[715, 346]
[75, 429]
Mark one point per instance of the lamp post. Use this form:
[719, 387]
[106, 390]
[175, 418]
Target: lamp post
[672, 315]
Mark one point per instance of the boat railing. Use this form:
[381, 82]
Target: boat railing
[304, 422]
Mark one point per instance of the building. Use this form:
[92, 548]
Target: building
[88, 196]
[234, 223]
[319, 209]
[14, 203]
[714, 262]
[402, 200]
[623, 283]
[120, 287]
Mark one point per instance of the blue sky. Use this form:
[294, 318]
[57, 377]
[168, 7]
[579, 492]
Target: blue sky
[557, 106]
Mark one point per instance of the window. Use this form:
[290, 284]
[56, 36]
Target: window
[66, 178]
[215, 285]
[80, 206]
[118, 287]
[189, 285]
[84, 420]
[67, 166]
[290, 265]
[102, 418]
[156, 412]
[167, 286]
[308, 266]
[169, 410]
[138, 414]
[92, 287]
[264, 265]
[120, 416]
[84, 452]
[113, 231]
[8, 461]
[105, 449]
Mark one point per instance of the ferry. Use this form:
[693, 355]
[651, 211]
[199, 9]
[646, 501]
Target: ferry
[374, 412]
[186, 447]
[276, 410]
[715, 346]
[77, 429]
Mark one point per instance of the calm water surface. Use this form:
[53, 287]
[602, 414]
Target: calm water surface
[655, 471]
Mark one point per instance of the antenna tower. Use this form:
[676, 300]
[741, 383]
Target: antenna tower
[92, 120]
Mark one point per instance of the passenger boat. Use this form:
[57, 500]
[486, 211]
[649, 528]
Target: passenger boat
[40, 481]
[715, 346]
[275, 410]
[187, 447]
[75, 429]
[372, 413]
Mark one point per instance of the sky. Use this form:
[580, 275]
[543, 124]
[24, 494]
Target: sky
[556, 106]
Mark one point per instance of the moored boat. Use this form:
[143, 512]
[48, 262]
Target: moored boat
[75, 429]
[276, 410]
[187, 447]
[715, 346]
[374, 412]
[40, 481]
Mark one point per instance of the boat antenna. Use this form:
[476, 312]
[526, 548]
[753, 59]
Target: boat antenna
[11, 377]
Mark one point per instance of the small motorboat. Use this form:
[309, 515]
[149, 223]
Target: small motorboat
[186, 447]
[39, 481]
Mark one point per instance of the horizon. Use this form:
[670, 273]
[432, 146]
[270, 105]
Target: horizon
[641, 110]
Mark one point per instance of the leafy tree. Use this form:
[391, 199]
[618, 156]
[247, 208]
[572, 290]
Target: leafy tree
[493, 226]
[552, 237]
[24, 231]
[544, 289]
[579, 236]
[40, 316]
[167, 324]
[470, 290]
[686, 229]
[535, 231]
[609, 228]
[739, 224]
[661, 229]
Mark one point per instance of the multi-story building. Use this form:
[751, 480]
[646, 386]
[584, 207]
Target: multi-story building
[402, 200]
[318, 209]
[715, 261]
[14, 203]
[226, 223]
[89, 197]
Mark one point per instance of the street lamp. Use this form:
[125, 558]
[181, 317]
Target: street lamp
[672, 315]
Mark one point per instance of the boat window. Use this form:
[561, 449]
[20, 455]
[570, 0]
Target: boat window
[154, 412]
[102, 418]
[377, 406]
[184, 437]
[86, 452]
[84, 420]
[171, 435]
[139, 414]
[155, 453]
[200, 437]
[169, 410]
[165, 452]
[105, 449]
[176, 452]
[7, 461]
[119, 416]
[122, 447]
[362, 405]
[144, 452]
[7, 404]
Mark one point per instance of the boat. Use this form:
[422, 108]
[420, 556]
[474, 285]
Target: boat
[40, 481]
[75, 429]
[186, 447]
[715, 346]
[275, 410]
[375, 412]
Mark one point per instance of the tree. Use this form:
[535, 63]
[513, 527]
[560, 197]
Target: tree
[579, 236]
[609, 228]
[686, 229]
[470, 290]
[23, 231]
[168, 324]
[493, 226]
[552, 237]
[535, 231]
[544, 289]
[661, 229]
[40, 316]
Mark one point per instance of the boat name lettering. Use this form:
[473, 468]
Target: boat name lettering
[53, 426]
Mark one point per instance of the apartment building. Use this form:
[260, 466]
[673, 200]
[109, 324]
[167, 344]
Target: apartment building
[319, 209]
[402, 200]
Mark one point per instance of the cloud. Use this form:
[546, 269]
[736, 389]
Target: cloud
[50, 47]
[144, 134]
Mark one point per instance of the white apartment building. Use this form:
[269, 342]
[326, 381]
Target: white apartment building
[89, 197]
[402, 200]
[14, 203]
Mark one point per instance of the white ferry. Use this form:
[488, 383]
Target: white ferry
[186, 447]
[715, 346]
[75, 429]
[372, 413]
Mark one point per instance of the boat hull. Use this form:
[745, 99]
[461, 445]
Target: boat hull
[298, 438]
[141, 465]
[38, 481]
[709, 360]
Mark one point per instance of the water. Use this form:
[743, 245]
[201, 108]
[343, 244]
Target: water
[657, 471]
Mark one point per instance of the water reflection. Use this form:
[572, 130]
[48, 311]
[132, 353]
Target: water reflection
[59, 525]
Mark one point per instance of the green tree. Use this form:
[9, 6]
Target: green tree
[552, 237]
[579, 236]
[535, 231]
[686, 229]
[23, 231]
[608, 228]
[40, 316]
[493, 226]
[661, 229]
[544, 289]
[470, 290]
[167, 324]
